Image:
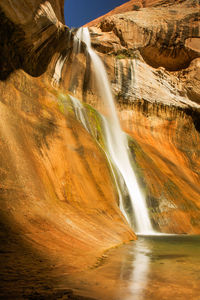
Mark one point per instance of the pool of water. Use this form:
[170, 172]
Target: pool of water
[157, 267]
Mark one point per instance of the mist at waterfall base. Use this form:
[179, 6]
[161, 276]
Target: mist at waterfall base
[116, 140]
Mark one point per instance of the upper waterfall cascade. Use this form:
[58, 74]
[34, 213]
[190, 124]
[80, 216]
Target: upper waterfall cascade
[116, 139]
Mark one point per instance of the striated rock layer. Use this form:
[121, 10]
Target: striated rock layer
[152, 55]
[59, 207]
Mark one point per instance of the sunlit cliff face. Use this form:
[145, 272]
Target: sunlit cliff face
[58, 202]
[59, 205]
[152, 58]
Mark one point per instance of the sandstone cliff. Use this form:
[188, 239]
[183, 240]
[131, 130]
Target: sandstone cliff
[58, 205]
[151, 50]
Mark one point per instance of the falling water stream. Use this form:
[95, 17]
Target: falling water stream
[116, 139]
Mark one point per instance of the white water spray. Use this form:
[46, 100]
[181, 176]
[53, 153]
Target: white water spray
[117, 143]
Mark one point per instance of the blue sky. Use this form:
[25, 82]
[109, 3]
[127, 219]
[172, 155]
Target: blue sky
[80, 12]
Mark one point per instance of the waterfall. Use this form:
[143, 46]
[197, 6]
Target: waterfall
[116, 140]
[81, 114]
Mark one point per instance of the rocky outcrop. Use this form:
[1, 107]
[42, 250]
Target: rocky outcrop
[31, 33]
[58, 205]
[161, 34]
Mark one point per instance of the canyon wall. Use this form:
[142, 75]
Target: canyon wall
[58, 204]
[151, 50]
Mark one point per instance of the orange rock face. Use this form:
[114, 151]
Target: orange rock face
[152, 57]
[58, 205]
[57, 175]
[166, 149]
[56, 191]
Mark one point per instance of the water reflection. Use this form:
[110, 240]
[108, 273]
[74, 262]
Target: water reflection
[146, 269]
[140, 268]
[135, 268]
